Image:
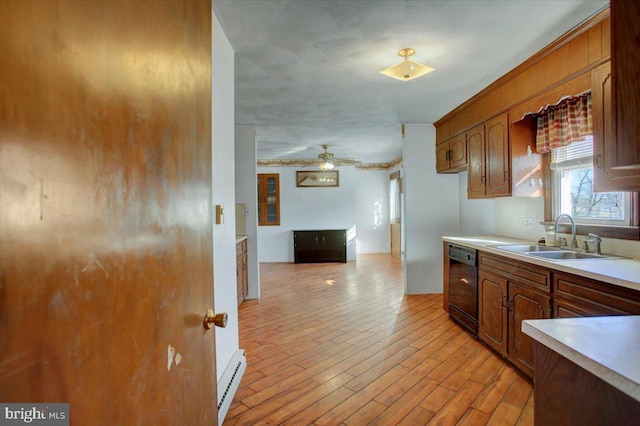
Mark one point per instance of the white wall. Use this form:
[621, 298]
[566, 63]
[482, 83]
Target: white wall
[431, 210]
[247, 194]
[372, 215]
[308, 208]
[224, 252]
[476, 215]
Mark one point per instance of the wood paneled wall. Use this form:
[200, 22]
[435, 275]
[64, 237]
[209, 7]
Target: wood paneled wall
[573, 54]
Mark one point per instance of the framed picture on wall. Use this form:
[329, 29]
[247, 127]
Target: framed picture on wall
[317, 178]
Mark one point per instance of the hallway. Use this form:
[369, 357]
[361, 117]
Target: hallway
[334, 344]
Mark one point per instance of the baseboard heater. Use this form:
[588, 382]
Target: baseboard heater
[229, 383]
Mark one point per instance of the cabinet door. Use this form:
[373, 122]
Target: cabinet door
[497, 156]
[524, 304]
[492, 311]
[458, 151]
[245, 275]
[306, 240]
[239, 283]
[625, 63]
[333, 239]
[606, 177]
[442, 157]
[476, 163]
[269, 199]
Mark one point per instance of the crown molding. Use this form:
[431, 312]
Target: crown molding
[308, 163]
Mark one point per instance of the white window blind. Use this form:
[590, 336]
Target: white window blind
[575, 154]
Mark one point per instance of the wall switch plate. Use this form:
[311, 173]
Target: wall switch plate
[528, 223]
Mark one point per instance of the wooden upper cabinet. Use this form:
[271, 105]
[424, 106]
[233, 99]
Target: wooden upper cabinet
[625, 84]
[476, 163]
[451, 155]
[488, 161]
[607, 177]
[616, 105]
[497, 156]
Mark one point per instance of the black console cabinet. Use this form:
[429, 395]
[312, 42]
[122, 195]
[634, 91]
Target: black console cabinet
[320, 246]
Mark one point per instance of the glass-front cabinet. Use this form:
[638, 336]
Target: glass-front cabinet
[268, 199]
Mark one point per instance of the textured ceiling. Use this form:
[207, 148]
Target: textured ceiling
[307, 71]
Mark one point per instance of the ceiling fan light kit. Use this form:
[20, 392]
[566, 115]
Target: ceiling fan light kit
[327, 161]
[407, 70]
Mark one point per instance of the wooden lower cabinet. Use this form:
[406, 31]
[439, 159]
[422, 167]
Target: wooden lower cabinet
[504, 301]
[492, 312]
[320, 246]
[511, 291]
[524, 304]
[242, 277]
[578, 296]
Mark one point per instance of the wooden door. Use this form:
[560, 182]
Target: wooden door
[524, 304]
[492, 312]
[105, 215]
[476, 165]
[497, 160]
[606, 176]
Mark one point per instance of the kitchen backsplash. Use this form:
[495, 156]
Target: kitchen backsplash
[509, 218]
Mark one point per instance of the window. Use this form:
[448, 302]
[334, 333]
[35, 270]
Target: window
[269, 199]
[572, 188]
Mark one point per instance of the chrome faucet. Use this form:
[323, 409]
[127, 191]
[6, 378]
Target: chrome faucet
[596, 240]
[574, 242]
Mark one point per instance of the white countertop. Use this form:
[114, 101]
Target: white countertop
[607, 347]
[624, 272]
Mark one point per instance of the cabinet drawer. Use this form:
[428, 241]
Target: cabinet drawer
[597, 297]
[526, 274]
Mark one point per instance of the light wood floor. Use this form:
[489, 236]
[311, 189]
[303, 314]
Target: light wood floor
[340, 344]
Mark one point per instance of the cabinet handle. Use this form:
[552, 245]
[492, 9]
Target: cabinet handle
[510, 305]
[599, 161]
[323, 239]
[448, 155]
[482, 180]
[316, 240]
[504, 301]
[506, 176]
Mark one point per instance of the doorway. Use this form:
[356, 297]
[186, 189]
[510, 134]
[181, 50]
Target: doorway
[395, 213]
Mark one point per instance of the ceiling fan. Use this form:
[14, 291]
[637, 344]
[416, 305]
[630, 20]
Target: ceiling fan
[327, 161]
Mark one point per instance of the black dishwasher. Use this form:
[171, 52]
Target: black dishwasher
[463, 286]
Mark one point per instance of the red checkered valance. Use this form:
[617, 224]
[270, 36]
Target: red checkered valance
[568, 121]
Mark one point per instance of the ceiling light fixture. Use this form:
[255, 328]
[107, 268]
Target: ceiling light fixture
[407, 70]
[325, 158]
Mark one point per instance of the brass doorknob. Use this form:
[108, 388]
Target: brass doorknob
[211, 319]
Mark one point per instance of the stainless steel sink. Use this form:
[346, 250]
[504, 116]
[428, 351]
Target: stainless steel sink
[551, 253]
[565, 255]
[525, 248]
